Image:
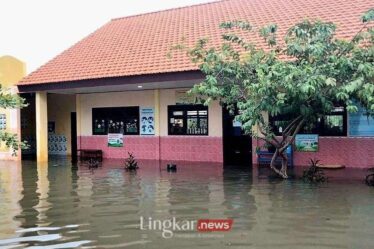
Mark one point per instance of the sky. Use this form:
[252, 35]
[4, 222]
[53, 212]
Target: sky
[36, 31]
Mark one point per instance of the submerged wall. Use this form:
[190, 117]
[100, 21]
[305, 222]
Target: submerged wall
[355, 152]
[154, 147]
[352, 152]
[60, 107]
[12, 70]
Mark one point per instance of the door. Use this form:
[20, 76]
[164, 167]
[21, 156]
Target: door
[74, 153]
[237, 147]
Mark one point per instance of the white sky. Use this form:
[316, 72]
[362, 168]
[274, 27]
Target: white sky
[35, 31]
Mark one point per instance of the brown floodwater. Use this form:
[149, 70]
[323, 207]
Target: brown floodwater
[60, 206]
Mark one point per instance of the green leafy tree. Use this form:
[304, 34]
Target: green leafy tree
[302, 76]
[9, 100]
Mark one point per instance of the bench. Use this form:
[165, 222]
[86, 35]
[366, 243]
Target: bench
[86, 155]
[264, 157]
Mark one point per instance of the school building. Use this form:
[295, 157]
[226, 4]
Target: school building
[117, 91]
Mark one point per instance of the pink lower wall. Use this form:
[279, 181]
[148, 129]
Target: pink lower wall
[351, 152]
[173, 148]
[348, 151]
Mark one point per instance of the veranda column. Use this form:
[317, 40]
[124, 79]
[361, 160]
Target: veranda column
[157, 112]
[41, 126]
[157, 121]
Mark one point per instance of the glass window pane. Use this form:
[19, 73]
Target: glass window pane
[177, 126]
[338, 109]
[131, 126]
[192, 126]
[99, 126]
[333, 125]
[188, 120]
[123, 120]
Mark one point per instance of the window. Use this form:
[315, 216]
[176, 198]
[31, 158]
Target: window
[188, 120]
[2, 122]
[123, 120]
[333, 124]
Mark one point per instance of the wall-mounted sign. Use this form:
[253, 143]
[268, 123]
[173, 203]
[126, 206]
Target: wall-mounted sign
[147, 121]
[115, 140]
[306, 142]
[361, 124]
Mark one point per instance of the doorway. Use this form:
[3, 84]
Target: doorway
[74, 146]
[237, 147]
[28, 127]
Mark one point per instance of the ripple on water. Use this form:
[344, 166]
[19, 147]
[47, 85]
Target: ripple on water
[57, 207]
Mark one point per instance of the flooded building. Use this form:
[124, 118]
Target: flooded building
[117, 90]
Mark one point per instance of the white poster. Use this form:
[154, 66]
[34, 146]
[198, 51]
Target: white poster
[147, 121]
[115, 140]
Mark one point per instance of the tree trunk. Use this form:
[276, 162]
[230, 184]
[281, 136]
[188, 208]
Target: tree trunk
[281, 146]
[283, 171]
[284, 164]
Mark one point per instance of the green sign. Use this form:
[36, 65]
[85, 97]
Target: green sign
[306, 142]
[115, 140]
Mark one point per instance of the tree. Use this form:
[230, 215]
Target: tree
[303, 76]
[9, 100]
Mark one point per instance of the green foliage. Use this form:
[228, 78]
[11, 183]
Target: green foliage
[11, 141]
[314, 173]
[303, 76]
[368, 16]
[12, 101]
[130, 163]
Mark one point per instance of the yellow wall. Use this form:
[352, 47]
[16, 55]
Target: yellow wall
[60, 107]
[144, 98]
[12, 70]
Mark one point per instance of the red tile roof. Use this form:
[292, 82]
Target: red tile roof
[138, 45]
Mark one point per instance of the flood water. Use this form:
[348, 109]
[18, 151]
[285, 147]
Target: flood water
[57, 206]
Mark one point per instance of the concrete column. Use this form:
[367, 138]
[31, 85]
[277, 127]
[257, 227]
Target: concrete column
[41, 126]
[157, 112]
[157, 122]
[78, 111]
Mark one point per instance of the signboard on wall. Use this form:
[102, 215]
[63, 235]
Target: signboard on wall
[306, 142]
[360, 124]
[147, 121]
[115, 140]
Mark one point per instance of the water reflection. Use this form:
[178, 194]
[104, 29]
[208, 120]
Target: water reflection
[28, 216]
[10, 193]
[60, 206]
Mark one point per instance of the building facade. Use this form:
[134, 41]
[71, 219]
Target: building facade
[12, 70]
[117, 90]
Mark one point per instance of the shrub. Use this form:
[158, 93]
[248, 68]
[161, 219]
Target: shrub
[314, 173]
[130, 163]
